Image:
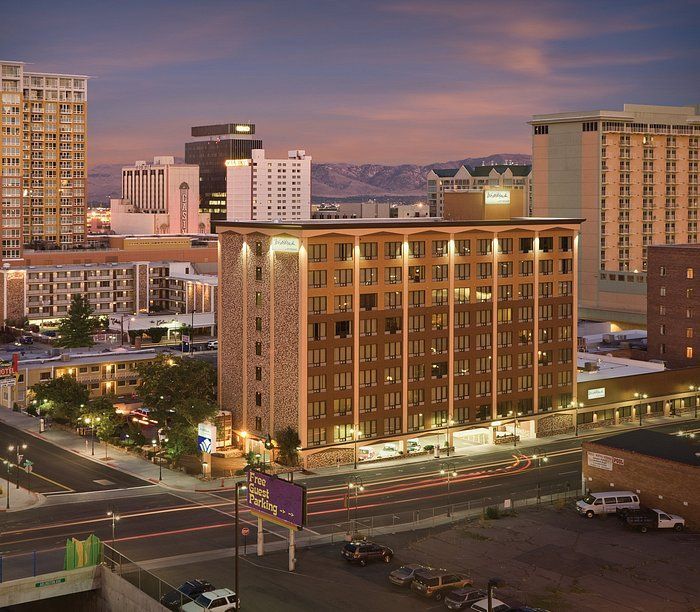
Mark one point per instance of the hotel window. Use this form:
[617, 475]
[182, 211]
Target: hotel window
[258, 373]
[438, 346]
[368, 250]
[462, 319]
[316, 410]
[689, 352]
[483, 270]
[483, 317]
[461, 271]
[317, 278]
[526, 245]
[317, 384]
[545, 380]
[415, 422]
[258, 248]
[392, 350]
[342, 433]
[461, 367]
[316, 331]
[392, 375]
[505, 315]
[392, 250]
[416, 397]
[392, 275]
[689, 272]
[484, 246]
[342, 277]
[258, 273]
[368, 301]
[545, 403]
[439, 297]
[461, 295]
[416, 323]
[318, 252]
[258, 298]
[368, 378]
[463, 247]
[505, 339]
[368, 327]
[565, 355]
[342, 303]
[541, 129]
[565, 311]
[416, 298]
[416, 248]
[416, 274]
[526, 267]
[483, 388]
[546, 289]
[461, 344]
[368, 352]
[258, 323]
[505, 269]
[440, 273]
[317, 305]
[343, 251]
[341, 354]
[688, 332]
[392, 400]
[483, 293]
[316, 357]
[258, 348]
[343, 329]
[258, 398]
[392, 425]
[316, 437]
[392, 325]
[368, 403]
[368, 276]
[342, 381]
[524, 360]
[368, 429]
[416, 372]
[662, 291]
[483, 341]
[566, 288]
[505, 292]
[439, 321]
[438, 395]
[440, 248]
[416, 348]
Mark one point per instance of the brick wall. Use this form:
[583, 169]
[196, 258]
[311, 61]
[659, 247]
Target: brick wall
[678, 484]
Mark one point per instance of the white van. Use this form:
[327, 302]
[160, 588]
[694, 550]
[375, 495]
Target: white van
[607, 502]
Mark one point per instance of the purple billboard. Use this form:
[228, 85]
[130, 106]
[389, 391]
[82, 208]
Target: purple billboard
[277, 500]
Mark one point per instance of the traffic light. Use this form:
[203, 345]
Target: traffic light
[268, 442]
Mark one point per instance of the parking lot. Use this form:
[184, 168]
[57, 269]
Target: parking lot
[550, 558]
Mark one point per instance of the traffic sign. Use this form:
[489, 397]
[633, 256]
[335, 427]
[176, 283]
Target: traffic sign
[245, 531]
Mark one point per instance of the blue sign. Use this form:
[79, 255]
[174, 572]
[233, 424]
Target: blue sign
[206, 437]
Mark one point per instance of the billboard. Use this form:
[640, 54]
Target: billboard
[602, 462]
[596, 393]
[285, 244]
[493, 196]
[206, 437]
[277, 500]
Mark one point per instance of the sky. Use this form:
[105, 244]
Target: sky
[383, 81]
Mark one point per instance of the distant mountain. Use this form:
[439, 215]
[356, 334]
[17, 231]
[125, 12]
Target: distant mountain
[333, 180]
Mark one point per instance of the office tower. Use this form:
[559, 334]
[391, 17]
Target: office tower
[367, 335]
[465, 178]
[43, 159]
[265, 189]
[633, 175]
[159, 198]
[673, 304]
[216, 145]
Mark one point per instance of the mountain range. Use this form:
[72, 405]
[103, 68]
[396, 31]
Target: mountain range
[333, 180]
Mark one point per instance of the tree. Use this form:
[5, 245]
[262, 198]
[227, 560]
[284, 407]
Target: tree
[182, 440]
[178, 389]
[156, 333]
[64, 398]
[288, 442]
[77, 328]
[101, 412]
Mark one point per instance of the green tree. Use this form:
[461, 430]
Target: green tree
[182, 440]
[77, 328]
[156, 333]
[101, 412]
[287, 443]
[64, 398]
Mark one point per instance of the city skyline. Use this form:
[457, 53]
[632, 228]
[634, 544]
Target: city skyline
[352, 85]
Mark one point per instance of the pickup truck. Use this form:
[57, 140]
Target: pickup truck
[653, 518]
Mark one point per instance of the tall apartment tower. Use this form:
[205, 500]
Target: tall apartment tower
[633, 175]
[268, 189]
[42, 159]
[369, 335]
[216, 145]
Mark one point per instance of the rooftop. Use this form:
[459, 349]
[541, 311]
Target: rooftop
[679, 449]
[605, 366]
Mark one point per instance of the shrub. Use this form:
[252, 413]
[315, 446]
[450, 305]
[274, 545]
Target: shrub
[492, 513]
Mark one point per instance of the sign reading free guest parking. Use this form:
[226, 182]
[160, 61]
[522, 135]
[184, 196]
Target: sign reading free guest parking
[277, 500]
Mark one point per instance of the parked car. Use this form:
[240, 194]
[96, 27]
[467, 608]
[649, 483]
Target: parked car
[403, 576]
[190, 589]
[436, 583]
[26, 340]
[607, 503]
[462, 599]
[50, 334]
[497, 605]
[363, 552]
[220, 600]
[645, 519]
[213, 345]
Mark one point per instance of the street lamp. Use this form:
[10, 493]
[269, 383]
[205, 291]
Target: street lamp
[17, 448]
[576, 406]
[115, 517]
[448, 470]
[239, 486]
[9, 465]
[92, 421]
[355, 433]
[641, 397]
[450, 422]
[356, 486]
[540, 458]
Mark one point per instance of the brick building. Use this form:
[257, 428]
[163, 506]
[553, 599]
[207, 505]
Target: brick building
[673, 304]
[378, 336]
[663, 469]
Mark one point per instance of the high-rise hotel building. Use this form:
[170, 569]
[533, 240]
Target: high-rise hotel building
[373, 334]
[633, 175]
[43, 147]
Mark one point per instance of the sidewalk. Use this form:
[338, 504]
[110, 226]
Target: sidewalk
[20, 499]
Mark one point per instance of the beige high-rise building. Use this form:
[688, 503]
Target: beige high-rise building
[42, 159]
[633, 175]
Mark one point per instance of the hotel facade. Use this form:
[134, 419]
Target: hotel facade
[43, 159]
[368, 335]
[633, 175]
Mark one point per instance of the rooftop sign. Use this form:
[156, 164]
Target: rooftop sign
[277, 500]
[285, 244]
[492, 196]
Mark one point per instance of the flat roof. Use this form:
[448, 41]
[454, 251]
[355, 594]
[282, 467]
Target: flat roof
[79, 359]
[428, 222]
[612, 367]
[680, 449]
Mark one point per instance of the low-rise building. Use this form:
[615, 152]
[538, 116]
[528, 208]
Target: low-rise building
[370, 210]
[663, 469]
[112, 373]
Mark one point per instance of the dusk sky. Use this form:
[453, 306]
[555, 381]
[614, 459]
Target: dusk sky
[383, 81]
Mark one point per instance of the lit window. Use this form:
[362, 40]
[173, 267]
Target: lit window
[689, 352]
[689, 273]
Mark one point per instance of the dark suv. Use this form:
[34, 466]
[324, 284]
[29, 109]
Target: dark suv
[190, 589]
[437, 583]
[363, 552]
